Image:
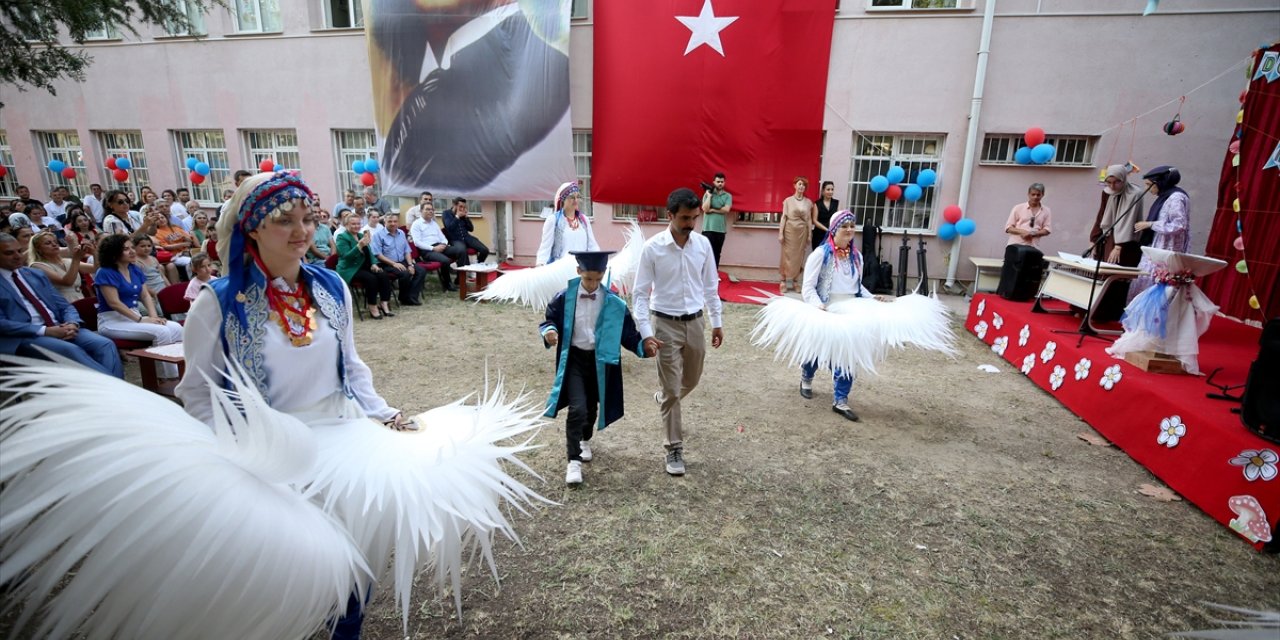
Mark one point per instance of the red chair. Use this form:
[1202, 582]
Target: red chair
[430, 267]
[88, 310]
[173, 301]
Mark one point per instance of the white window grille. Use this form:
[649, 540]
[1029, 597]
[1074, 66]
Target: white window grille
[126, 144]
[103, 32]
[9, 183]
[579, 10]
[582, 168]
[195, 18]
[209, 147]
[351, 145]
[1070, 151]
[873, 154]
[343, 14]
[257, 16]
[919, 4]
[278, 145]
[64, 146]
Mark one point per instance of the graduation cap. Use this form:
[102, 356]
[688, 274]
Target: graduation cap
[592, 260]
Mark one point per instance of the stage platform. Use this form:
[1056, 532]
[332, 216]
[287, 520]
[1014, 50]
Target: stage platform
[1165, 422]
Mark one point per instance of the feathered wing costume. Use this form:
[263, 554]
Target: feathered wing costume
[537, 286]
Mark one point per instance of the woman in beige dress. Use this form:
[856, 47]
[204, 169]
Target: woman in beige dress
[64, 273]
[793, 234]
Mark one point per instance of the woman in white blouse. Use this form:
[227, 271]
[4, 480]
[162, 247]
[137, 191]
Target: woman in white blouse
[567, 229]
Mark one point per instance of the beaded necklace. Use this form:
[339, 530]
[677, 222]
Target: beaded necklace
[293, 310]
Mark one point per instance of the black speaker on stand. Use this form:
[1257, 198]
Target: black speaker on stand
[1021, 273]
[1260, 405]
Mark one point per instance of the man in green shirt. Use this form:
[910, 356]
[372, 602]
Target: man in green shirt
[716, 204]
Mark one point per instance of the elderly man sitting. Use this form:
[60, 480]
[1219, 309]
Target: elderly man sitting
[433, 246]
[391, 250]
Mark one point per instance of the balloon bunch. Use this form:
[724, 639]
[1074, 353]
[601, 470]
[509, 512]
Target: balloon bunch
[269, 165]
[119, 167]
[1037, 150]
[59, 167]
[4, 171]
[199, 170]
[889, 184]
[955, 224]
[367, 170]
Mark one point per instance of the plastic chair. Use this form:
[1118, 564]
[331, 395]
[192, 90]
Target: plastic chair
[88, 310]
[174, 302]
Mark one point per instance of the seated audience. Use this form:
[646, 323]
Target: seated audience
[63, 273]
[357, 267]
[432, 245]
[201, 274]
[121, 288]
[458, 228]
[116, 220]
[157, 275]
[391, 248]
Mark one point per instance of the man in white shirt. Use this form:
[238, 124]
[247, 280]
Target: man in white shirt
[94, 203]
[431, 243]
[56, 208]
[178, 213]
[676, 280]
[348, 204]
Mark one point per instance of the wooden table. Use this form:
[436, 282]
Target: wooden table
[1070, 282]
[484, 273]
[147, 359]
[988, 277]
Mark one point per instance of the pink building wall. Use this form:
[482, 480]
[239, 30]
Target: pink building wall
[1074, 67]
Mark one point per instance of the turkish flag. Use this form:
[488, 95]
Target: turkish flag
[686, 88]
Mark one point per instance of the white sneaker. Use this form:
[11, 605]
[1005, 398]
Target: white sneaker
[655, 398]
[573, 475]
[586, 451]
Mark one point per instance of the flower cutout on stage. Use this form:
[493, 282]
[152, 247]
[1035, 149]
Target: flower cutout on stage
[1110, 377]
[1000, 345]
[1171, 431]
[1028, 362]
[1049, 350]
[1059, 374]
[997, 321]
[1258, 464]
[1082, 368]
[981, 329]
[982, 306]
[1024, 335]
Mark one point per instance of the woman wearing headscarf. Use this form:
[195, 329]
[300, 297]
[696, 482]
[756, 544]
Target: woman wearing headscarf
[1122, 203]
[1168, 224]
[567, 230]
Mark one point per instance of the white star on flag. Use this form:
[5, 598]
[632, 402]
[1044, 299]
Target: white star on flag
[705, 29]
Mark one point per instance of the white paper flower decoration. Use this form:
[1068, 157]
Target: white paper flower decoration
[1024, 335]
[1082, 368]
[1110, 377]
[1000, 344]
[1049, 349]
[1059, 374]
[1258, 463]
[982, 306]
[1171, 431]
[1028, 362]
[997, 321]
[981, 329]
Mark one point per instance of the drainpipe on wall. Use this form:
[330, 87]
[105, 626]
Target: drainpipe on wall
[971, 142]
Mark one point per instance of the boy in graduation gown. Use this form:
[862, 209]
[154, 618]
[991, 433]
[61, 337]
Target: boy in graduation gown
[589, 325]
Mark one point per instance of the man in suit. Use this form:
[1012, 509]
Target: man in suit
[458, 228]
[34, 316]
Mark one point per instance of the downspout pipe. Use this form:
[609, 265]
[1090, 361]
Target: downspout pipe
[971, 142]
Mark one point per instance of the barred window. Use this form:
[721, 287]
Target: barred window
[126, 144]
[9, 183]
[64, 146]
[873, 154]
[195, 21]
[257, 16]
[278, 145]
[1070, 151]
[582, 167]
[209, 147]
[343, 14]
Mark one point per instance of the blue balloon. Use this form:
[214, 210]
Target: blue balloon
[123, 163]
[896, 174]
[879, 184]
[1043, 153]
[57, 166]
[371, 165]
[357, 166]
[202, 168]
[927, 177]
[1022, 155]
[966, 226]
[277, 167]
[947, 231]
[912, 192]
[191, 164]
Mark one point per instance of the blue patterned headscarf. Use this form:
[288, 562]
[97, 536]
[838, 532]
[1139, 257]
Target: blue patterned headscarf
[567, 189]
[840, 217]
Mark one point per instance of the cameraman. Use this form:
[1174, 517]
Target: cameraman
[716, 203]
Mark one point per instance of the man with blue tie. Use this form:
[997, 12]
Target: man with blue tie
[34, 316]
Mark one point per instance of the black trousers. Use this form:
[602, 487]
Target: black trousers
[377, 286]
[582, 393]
[445, 272]
[717, 243]
[410, 280]
[460, 248]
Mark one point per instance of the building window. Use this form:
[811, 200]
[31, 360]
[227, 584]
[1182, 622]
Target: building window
[64, 146]
[581, 167]
[343, 14]
[579, 10]
[760, 218]
[209, 147]
[278, 145]
[641, 213]
[195, 20]
[9, 183]
[873, 154]
[1070, 151]
[257, 16]
[103, 32]
[921, 4]
[126, 144]
[352, 145]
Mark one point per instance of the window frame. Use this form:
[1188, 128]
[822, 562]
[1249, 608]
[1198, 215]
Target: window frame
[220, 173]
[355, 14]
[352, 154]
[234, 7]
[256, 154]
[9, 183]
[1006, 144]
[78, 185]
[104, 33]
[139, 171]
[862, 201]
[195, 18]
[533, 209]
[908, 6]
[579, 10]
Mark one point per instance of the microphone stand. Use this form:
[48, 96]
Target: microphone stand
[1095, 252]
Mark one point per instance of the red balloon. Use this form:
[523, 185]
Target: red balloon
[69, 173]
[893, 192]
[196, 178]
[4, 171]
[367, 179]
[952, 214]
[266, 165]
[1034, 136]
[111, 163]
[120, 175]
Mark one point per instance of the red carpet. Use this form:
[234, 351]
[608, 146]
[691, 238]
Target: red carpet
[746, 291]
[1211, 459]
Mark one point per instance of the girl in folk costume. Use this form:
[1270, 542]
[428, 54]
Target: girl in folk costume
[1168, 224]
[298, 495]
[567, 230]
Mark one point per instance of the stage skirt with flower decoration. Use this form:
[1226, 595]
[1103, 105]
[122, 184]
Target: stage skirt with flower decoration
[537, 286]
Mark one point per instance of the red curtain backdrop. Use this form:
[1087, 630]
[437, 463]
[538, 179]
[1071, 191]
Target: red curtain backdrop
[1258, 190]
[664, 118]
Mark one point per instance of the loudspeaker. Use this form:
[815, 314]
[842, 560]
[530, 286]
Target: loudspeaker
[1021, 273]
[1260, 406]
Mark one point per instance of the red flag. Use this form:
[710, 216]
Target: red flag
[685, 88]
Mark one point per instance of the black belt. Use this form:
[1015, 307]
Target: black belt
[684, 318]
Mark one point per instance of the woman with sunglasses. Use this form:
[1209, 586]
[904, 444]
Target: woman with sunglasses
[115, 218]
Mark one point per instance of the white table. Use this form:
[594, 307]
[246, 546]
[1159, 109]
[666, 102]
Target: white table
[1070, 282]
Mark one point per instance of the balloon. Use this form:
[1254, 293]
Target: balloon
[912, 192]
[57, 166]
[69, 173]
[896, 174]
[893, 192]
[371, 165]
[367, 179]
[1238, 243]
[111, 163]
[120, 175]
[966, 227]
[1022, 155]
[947, 231]
[202, 168]
[1034, 136]
[3, 171]
[196, 178]
[1253, 302]
[266, 165]
[952, 214]
[1242, 267]
[927, 177]
[124, 163]
[1042, 153]
[277, 167]
[879, 184]
[358, 166]
[191, 164]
